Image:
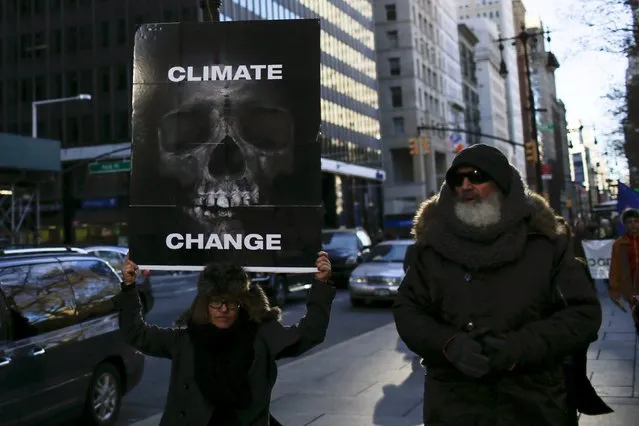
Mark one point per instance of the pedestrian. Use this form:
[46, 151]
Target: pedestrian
[623, 283]
[494, 300]
[223, 362]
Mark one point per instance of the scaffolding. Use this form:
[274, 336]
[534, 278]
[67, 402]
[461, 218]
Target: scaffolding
[25, 165]
[19, 213]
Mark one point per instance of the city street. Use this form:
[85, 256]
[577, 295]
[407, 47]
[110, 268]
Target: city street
[174, 294]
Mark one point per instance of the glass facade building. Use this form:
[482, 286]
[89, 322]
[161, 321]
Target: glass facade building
[350, 129]
[61, 48]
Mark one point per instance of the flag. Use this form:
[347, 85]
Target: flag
[626, 198]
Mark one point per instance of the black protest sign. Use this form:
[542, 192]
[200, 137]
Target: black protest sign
[226, 159]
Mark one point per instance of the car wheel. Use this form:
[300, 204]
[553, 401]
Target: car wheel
[356, 303]
[104, 397]
[279, 291]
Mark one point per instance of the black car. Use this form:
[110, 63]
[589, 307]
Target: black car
[61, 354]
[279, 287]
[346, 248]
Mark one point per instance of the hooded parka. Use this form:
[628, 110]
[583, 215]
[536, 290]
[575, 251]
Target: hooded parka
[542, 303]
[185, 405]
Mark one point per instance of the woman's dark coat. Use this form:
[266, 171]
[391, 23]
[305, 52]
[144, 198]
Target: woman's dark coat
[185, 405]
[543, 304]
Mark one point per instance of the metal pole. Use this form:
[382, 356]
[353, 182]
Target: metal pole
[34, 120]
[523, 36]
[13, 214]
[422, 167]
[210, 10]
[37, 233]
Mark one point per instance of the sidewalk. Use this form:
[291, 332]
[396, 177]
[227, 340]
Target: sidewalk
[374, 380]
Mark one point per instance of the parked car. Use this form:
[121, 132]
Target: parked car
[61, 354]
[379, 274]
[115, 255]
[346, 248]
[280, 287]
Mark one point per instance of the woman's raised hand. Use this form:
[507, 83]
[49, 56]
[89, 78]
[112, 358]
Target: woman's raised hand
[323, 265]
[129, 271]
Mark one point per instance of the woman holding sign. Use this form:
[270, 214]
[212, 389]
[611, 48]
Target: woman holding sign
[223, 361]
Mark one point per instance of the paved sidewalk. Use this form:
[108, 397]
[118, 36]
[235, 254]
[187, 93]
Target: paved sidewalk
[374, 380]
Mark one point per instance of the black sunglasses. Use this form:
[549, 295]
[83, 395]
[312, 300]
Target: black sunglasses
[217, 304]
[474, 176]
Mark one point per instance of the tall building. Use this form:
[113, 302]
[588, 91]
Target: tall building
[419, 85]
[493, 103]
[501, 12]
[467, 44]
[60, 48]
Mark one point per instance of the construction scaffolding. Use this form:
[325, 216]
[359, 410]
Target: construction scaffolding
[25, 164]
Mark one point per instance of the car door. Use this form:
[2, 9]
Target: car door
[42, 378]
[94, 284]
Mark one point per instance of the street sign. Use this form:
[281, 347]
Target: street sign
[112, 167]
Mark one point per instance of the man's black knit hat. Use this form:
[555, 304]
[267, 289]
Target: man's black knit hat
[487, 159]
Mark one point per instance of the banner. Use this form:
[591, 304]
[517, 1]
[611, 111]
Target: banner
[598, 254]
[626, 198]
[226, 158]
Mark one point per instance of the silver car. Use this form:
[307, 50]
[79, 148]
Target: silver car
[379, 274]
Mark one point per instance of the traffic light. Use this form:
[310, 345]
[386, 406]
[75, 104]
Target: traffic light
[425, 144]
[414, 149]
[531, 151]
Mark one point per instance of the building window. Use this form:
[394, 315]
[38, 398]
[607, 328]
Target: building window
[396, 97]
[391, 12]
[73, 84]
[25, 90]
[86, 81]
[398, 126]
[393, 39]
[122, 123]
[56, 37]
[121, 31]
[105, 80]
[72, 39]
[105, 36]
[105, 127]
[56, 85]
[73, 130]
[87, 130]
[394, 66]
[86, 37]
[121, 81]
[40, 87]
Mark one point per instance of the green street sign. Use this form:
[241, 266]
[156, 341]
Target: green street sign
[113, 167]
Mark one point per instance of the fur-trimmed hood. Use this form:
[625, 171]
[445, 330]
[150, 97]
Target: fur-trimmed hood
[543, 219]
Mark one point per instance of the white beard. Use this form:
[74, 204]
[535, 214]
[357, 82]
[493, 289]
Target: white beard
[481, 213]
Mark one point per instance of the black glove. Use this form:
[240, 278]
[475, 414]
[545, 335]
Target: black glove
[464, 353]
[503, 353]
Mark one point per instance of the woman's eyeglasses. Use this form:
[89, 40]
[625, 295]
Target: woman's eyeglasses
[217, 304]
[475, 177]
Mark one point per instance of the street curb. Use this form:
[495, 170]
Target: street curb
[155, 419]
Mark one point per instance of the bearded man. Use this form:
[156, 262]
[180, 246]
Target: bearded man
[494, 300]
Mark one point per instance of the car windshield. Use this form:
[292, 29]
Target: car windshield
[386, 253]
[339, 240]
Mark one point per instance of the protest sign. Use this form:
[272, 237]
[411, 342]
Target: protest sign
[598, 254]
[226, 160]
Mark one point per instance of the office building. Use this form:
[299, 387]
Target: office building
[54, 49]
[493, 102]
[420, 85]
[467, 43]
[501, 13]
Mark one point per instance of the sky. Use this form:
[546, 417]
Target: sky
[586, 74]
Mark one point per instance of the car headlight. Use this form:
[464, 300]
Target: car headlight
[358, 280]
[351, 260]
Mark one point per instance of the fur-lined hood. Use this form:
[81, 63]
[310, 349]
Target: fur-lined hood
[543, 219]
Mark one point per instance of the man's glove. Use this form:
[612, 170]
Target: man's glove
[502, 353]
[464, 352]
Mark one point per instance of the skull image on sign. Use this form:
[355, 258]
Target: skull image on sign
[224, 146]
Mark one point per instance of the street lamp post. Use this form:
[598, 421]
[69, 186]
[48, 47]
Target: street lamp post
[524, 37]
[35, 104]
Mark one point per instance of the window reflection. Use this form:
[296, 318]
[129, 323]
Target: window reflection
[94, 284]
[349, 119]
[342, 20]
[39, 298]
